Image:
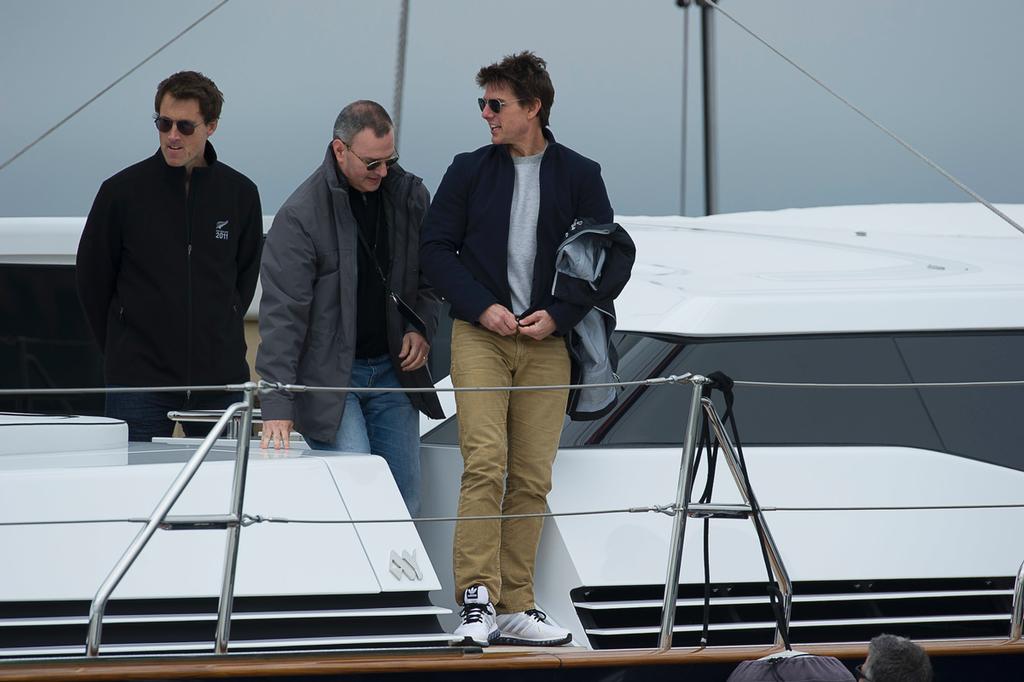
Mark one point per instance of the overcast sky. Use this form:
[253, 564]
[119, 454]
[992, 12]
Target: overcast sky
[944, 74]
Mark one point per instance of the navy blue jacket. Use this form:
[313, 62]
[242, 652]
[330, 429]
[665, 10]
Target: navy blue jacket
[464, 239]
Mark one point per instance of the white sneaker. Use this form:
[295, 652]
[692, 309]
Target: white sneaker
[478, 626]
[529, 627]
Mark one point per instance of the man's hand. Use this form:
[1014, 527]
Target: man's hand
[414, 351]
[276, 431]
[500, 320]
[538, 325]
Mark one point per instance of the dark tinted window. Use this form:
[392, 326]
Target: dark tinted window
[45, 341]
[984, 423]
[980, 423]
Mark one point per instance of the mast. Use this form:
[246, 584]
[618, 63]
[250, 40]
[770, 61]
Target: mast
[710, 130]
[708, 99]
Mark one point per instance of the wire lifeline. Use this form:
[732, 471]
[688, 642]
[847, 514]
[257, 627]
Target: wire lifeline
[122, 389]
[927, 384]
[109, 87]
[266, 386]
[906, 145]
[69, 522]
[923, 507]
[666, 509]
[251, 519]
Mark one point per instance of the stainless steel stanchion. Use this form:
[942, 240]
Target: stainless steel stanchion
[227, 593]
[1017, 612]
[675, 552]
[99, 602]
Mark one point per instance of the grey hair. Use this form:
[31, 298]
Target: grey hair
[897, 659]
[360, 115]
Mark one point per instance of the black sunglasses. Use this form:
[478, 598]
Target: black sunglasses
[495, 105]
[860, 674]
[164, 125]
[375, 164]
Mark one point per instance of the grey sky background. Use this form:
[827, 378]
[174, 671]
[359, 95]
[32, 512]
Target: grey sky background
[944, 74]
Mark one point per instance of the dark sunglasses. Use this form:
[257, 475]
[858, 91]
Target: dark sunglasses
[164, 125]
[858, 672]
[374, 164]
[495, 105]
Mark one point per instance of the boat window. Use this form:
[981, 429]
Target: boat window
[45, 341]
[984, 422]
[974, 422]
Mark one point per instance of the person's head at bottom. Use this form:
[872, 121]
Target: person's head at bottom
[894, 659]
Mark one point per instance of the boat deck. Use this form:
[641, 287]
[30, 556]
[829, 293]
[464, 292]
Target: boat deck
[451, 662]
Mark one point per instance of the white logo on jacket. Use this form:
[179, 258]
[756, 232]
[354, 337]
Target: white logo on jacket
[220, 232]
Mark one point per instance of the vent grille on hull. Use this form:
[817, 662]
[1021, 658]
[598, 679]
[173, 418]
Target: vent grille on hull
[33, 629]
[623, 617]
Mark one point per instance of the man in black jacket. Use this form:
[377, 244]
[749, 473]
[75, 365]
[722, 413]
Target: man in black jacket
[167, 266]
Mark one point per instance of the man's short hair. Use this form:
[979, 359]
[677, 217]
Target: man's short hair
[360, 115]
[525, 74]
[192, 85]
[897, 659]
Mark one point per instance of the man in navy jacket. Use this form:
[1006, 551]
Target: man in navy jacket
[488, 246]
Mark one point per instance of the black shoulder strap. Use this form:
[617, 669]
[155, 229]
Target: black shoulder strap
[369, 251]
[724, 383]
[404, 309]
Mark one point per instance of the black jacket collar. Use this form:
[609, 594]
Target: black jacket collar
[209, 154]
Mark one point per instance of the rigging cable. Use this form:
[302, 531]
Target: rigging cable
[396, 108]
[106, 89]
[906, 145]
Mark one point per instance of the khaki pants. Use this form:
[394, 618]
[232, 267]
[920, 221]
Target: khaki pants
[508, 441]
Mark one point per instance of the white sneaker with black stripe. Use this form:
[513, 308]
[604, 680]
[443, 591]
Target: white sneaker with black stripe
[530, 628]
[478, 626]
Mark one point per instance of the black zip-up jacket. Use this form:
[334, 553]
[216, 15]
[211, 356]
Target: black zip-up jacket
[165, 279]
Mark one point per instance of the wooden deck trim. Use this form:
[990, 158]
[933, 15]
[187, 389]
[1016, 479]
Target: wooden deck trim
[495, 658]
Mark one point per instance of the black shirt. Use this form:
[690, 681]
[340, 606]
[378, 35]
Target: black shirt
[371, 294]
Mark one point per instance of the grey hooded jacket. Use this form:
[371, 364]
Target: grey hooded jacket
[592, 266]
[308, 308]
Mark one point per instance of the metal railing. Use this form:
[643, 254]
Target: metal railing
[1017, 610]
[240, 415]
[774, 556]
[683, 489]
[207, 416]
[231, 521]
[684, 509]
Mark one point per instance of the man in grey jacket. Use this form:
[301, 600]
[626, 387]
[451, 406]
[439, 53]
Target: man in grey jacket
[344, 303]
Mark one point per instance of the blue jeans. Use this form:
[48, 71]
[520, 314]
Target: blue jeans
[146, 413]
[384, 424]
